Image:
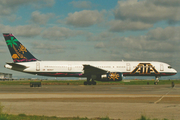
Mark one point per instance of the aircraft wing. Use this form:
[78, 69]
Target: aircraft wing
[88, 69]
[14, 65]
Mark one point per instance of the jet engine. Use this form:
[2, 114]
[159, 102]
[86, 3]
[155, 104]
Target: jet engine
[112, 76]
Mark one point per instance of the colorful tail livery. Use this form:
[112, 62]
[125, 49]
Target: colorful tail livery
[18, 52]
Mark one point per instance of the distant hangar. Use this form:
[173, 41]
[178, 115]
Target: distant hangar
[5, 76]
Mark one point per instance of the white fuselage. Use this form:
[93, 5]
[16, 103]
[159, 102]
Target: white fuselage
[75, 68]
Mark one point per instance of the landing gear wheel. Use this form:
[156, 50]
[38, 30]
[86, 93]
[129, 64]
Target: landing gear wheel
[90, 80]
[85, 83]
[156, 80]
[89, 83]
[93, 83]
[155, 83]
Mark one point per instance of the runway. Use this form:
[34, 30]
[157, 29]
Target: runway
[126, 102]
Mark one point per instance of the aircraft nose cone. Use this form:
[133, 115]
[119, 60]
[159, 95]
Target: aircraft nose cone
[174, 71]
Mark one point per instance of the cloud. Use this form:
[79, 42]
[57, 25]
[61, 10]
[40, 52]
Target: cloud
[157, 45]
[60, 33]
[24, 31]
[13, 17]
[42, 19]
[43, 3]
[2, 51]
[99, 45]
[168, 33]
[142, 44]
[174, 3]
[8, 7]
[148, 11]
[42, 47]
[157, 40]
[104, 36]
[2, 43]
[84, 18]
[127, 25]
[81, 4]
[141, 50]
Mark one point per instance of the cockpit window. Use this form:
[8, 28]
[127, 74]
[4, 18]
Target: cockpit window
[169, 67]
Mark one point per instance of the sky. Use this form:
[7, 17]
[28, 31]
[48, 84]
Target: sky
[100, 30]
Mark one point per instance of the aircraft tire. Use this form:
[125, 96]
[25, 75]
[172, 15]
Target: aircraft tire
[85, 83]
[155, 83]
[93, 83]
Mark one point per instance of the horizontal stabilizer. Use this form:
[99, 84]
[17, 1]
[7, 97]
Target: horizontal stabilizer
[14, 65]
[88, 69]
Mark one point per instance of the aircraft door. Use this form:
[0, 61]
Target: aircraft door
[37, 66]
[161, 67]
[69, 67]
[128, 66]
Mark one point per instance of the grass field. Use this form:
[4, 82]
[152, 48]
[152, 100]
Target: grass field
[5, 116]
[35, 117]
[81, 82]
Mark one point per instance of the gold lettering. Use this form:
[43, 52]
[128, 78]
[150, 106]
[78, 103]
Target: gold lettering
[144, 68]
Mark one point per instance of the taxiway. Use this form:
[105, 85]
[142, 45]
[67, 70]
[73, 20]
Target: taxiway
[115, 101]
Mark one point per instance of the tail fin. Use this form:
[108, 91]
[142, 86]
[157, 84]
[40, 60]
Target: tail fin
[18, 52]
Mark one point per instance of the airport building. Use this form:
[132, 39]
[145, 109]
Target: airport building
[5, 76]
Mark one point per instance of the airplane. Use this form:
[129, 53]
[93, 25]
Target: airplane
[24, 61]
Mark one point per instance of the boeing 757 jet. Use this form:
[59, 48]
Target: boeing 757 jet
[24, 61]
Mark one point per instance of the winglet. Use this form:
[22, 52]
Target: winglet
[18, 52]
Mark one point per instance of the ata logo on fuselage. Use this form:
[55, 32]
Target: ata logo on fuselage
[145, 68]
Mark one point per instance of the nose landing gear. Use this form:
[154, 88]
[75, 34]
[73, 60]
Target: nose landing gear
[156, 80]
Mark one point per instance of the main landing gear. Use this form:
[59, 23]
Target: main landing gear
[156, 80]
[89, 81]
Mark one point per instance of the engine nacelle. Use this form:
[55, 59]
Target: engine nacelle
[112, 76]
